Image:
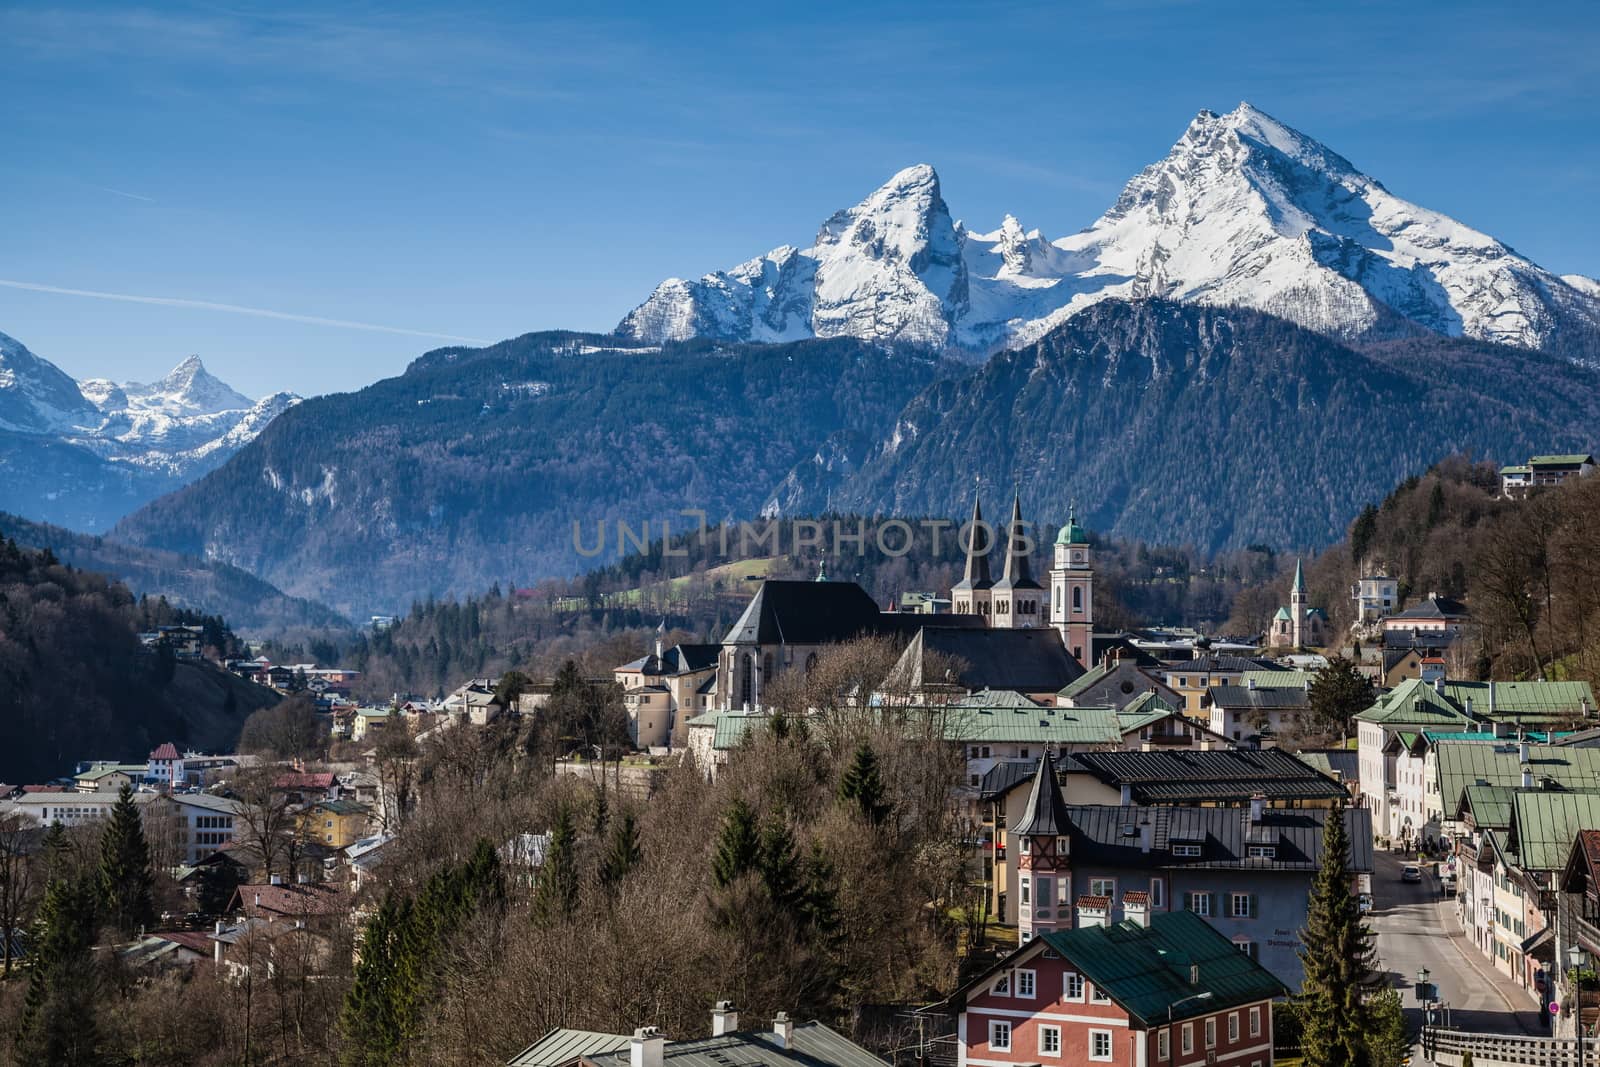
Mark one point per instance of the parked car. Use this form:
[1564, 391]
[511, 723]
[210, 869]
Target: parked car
[1411, 873]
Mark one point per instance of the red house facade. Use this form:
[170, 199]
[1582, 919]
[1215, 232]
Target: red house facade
[1150, 991]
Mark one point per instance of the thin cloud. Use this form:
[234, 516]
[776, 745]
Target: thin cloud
[235, 309]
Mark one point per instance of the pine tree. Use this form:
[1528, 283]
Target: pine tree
[738, 845]
[126, 884]
[556, 895]
[780, 866]
[58, 1020]
[622, 853]
[1340, 961]
[862, 785]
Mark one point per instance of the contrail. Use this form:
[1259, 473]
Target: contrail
[206, 305]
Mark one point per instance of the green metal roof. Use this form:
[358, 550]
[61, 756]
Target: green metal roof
[563, 1046]
[1544, 825]
[1145, 969]
[1276, 679]
[1032, 724]
[1460, 764]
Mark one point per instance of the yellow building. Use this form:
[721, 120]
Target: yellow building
[335, 823]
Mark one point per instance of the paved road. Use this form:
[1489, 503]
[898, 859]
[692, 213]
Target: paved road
[1417, 927]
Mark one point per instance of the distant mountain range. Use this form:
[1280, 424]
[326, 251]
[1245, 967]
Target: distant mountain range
[1243, 212]
[83, 454]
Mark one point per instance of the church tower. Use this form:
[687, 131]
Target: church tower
[1297, 607]
[1042, 838]
[972, 594]
[1016, 595]
[1072, 592]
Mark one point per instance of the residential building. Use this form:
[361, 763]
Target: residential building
[1245, 870]
[1155, 988]
[335, 823]
[662, 691]
[785, 1044]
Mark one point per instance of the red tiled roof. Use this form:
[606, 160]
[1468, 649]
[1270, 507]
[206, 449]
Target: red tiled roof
[301, 780]
[293, 900]
[166, 751]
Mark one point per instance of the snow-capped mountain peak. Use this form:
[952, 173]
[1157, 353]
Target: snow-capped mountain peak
[188, 389]
[1244, 209]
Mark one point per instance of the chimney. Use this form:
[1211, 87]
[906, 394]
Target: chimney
[1092, 911]
[1258, 803]
[1136, 908]
[648, 1048]
[724, 1018]
[1127, 795]
[783, 1030]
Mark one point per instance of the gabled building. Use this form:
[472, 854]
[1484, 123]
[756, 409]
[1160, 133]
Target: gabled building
[1155, 988]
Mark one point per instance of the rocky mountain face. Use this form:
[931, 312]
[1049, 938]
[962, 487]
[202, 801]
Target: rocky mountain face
[1216, 427]
[83, 454]
[1244, 211]
[484, 466]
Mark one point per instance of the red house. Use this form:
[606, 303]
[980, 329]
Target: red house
[1151, 991]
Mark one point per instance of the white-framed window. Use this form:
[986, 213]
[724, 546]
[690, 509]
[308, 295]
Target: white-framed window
[1199, 903]
[1241, 905]
[999, 1036]
[1002, 986]
[1233, 1026]
[1099, 1044]
[1072, 987]
[1211, 1032]
[1025, 981]
[1098, 995]
[1187, 1043]
[1255, 1022]
[1103, 887]
[1158, 892]
[1049, 1040]
[1164, 1044]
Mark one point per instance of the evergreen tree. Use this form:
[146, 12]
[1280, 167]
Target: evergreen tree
[58, 1020]
[622, 853]
[862, 785]
[738, 845]
[556, 895]
[126, 884]
[1337, 693]
[780, 866]
[1340, 961]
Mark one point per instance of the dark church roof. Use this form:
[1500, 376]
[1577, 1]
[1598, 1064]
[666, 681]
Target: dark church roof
[1029, 661]
[1046, 813]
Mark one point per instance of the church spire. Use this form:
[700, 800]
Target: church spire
[977, 572]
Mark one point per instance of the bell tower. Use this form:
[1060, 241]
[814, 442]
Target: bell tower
[1044, 852]
[1072, 592]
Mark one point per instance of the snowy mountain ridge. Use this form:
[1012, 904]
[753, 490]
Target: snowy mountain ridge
[140, 439]
[1244, 210]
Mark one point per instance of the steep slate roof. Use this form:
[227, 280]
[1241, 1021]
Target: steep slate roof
[1108, 835]
[1460, 764]
[1214, 775]
[1543, 826]
[815, 1045]
[1145, 969]
[1046, 813]
[1033, 660]
[1028, 722]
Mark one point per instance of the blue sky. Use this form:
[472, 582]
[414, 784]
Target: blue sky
[484, 172]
